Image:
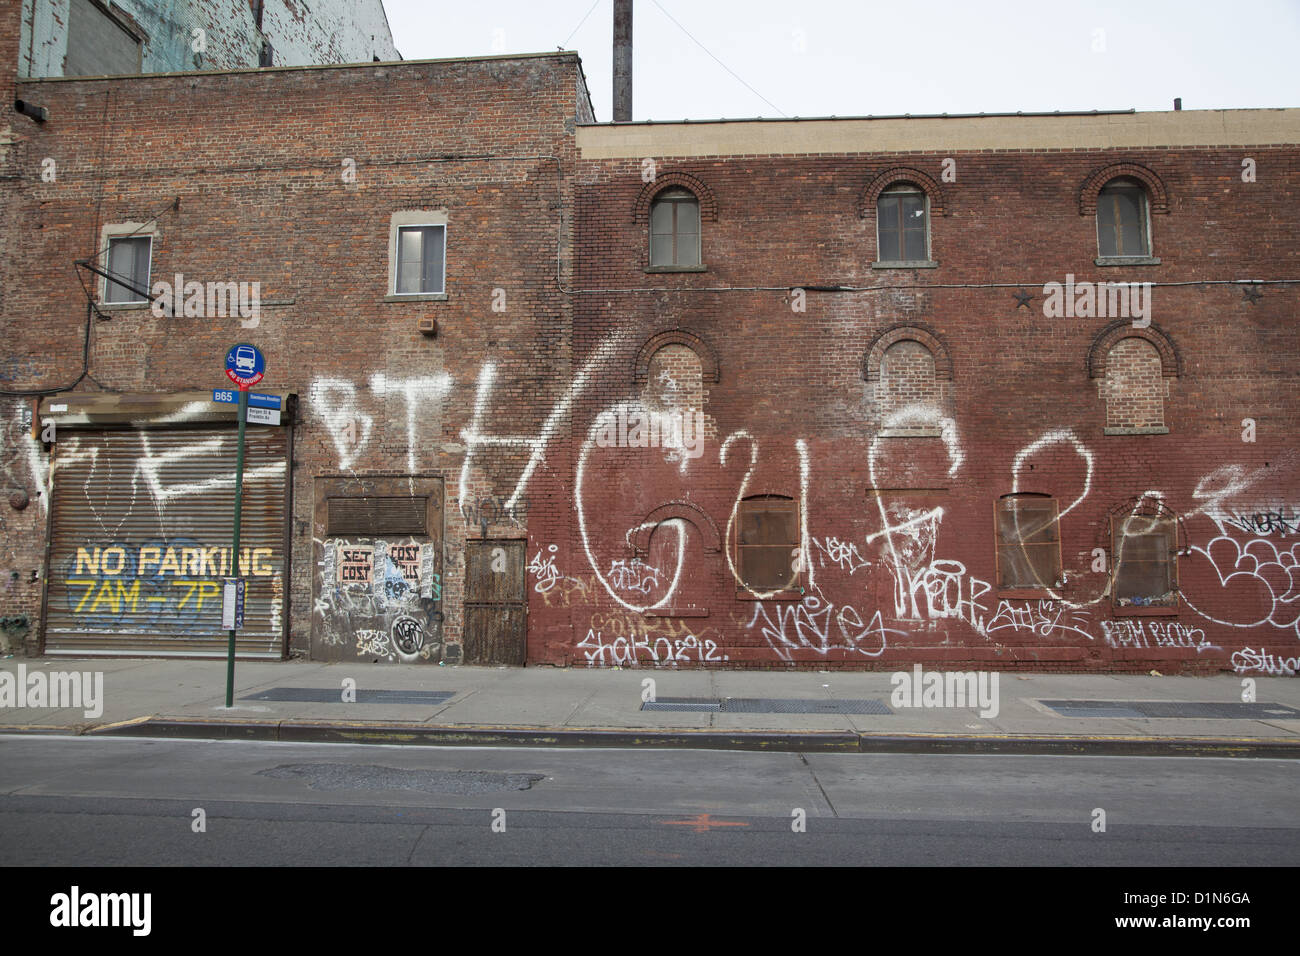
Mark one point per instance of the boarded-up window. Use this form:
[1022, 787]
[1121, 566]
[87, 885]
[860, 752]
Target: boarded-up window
[1134, 386]
[378, 516]
[907, 381]
[98, 44]
[1144, 555]
[768, 543]
[1029, 546]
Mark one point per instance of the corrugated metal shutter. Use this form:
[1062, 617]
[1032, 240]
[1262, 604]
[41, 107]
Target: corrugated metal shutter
[140, 538]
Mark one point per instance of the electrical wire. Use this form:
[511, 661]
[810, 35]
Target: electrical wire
[579, 26]
[716, 60]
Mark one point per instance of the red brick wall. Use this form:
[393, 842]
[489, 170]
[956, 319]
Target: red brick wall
[908, 573]
[244, 174]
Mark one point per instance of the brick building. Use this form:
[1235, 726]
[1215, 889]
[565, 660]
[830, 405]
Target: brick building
[97, 37]
[848, 393]
[980, 391]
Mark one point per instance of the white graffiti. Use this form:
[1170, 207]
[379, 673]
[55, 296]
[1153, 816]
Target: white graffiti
[634, 575]
[545, 570]
[1263, 563]
[1248, 660]
[335, 400]
[1134, 633]
[843, 555]
[415, 391]
[627, 651]
[1045, 618]
[807, 625]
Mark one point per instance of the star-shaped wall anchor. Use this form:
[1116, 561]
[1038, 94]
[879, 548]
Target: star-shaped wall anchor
[1251, 294]
[1023, 298]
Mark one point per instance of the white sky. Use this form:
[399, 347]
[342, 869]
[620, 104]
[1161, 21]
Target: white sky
[847, 58]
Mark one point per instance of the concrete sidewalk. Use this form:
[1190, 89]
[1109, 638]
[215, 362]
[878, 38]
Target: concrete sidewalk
[725, 709]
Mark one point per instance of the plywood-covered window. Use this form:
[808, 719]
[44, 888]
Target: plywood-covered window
[1144, 558]
[767, 544]
[1029, 544]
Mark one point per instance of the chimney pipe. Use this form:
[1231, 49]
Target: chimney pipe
[622, 61]
[1178, 103]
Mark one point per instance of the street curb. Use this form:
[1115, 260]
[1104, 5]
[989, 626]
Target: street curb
[304, 731]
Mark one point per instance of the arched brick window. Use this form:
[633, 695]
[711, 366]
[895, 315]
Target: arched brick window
[1134, 388]
[907, 377]
[910, 381]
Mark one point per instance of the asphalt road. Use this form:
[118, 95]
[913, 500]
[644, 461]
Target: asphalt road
[86, 802]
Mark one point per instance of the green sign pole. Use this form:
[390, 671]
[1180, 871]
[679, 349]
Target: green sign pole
[234, 550]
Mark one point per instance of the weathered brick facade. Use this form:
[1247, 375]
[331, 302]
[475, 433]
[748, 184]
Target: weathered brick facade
[608, 422]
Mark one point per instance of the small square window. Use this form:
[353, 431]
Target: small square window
[421, 260]
[128, 264]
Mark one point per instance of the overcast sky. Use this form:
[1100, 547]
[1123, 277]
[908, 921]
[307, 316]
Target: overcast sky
[846, 58]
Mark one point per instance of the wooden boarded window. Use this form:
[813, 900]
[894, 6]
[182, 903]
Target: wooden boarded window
[768, 542]
[378, 516]
[1144, 550]
[1029, 545]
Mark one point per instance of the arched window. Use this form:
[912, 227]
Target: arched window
[1135, 388]
[902, 224]
[1123, 224]
[675, 228]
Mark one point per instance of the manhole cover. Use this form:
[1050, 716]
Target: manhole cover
[334, 695]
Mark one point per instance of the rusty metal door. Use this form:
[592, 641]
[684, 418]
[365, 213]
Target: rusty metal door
[496, 605]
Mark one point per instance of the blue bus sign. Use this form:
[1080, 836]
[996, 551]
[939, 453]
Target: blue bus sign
[245, 365]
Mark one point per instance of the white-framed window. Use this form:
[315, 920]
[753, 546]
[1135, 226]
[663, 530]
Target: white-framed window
[417, 254]
[128, 259]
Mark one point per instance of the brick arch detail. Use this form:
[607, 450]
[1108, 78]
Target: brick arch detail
[1157, 194]
[709, 368]
[907, 333]
[708, 202]
[901, 174]
[1113, 334]
[684, 510]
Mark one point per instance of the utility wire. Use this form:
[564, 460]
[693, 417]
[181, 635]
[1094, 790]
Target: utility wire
[579, 26]
[716, 60]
